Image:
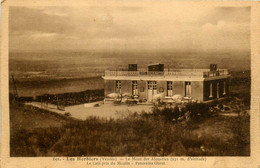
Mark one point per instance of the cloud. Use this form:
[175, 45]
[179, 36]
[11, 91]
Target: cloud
[225, 35]
[51, 11]
[40, 35]
[209, 27]
[27, 19]
[130, 28]
[227, 14]
[36, 35]
[54, 13]
[225, 28]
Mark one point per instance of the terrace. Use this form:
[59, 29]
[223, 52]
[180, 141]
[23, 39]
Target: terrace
[204, 73]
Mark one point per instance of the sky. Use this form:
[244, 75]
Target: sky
[135, 28]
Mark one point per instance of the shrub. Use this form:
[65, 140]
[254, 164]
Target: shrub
[167, 113]
[198, 110]
[67, 114]
[176, 113]
[96, 105]
[195, 110]
[226, 108]
[220, 106]
[214, 103]
[246, 100]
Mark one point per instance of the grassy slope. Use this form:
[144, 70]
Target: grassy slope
[54, 135]
[221, 135]
[29, 127]
[28, 117]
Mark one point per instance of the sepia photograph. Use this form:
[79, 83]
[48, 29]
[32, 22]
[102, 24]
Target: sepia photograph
[129, 80]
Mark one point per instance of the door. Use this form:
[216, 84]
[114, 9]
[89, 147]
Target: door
[152, 89]
[169, 88]
[134, 88]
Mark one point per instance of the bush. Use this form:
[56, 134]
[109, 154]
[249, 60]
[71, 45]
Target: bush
[246, 100]
[176, 113]
[96, 105]
[169, 114]
[198, 110]
[226, 108]
[67, 114]
[214, 103]
[220, 106]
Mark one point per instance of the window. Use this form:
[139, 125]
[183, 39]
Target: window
[187, 89]
[169, 88]
[224, 87]
[210, 90]
[152, 85]
[134, 88]
[118, 86]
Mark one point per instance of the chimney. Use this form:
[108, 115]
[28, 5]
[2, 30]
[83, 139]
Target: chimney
[156, 67]
[213, 67]
[132, 67]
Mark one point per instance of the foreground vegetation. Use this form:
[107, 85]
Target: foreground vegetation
[190, 131]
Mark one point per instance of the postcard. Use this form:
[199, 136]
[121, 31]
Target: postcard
[129, 84]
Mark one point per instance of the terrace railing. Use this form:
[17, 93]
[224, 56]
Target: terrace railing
[178, 72]
[215, 73]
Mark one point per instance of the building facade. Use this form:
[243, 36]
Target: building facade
[196, 84]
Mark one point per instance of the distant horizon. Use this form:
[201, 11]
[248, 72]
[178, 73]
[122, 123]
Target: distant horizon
[89, 63]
